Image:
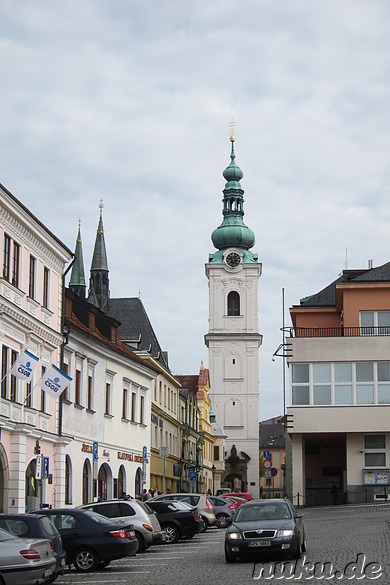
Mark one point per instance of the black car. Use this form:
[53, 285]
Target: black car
[90, 540]
[36, 526]
[264, 526]
[176, 519]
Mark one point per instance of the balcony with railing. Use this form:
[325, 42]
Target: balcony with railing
[308, 332]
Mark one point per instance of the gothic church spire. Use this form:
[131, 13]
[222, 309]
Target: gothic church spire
[99, 291]
[77, 278]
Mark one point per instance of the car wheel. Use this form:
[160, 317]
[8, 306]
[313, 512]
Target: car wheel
[171, 534]
[141, 543]
[222, 520]
[204, 525]
[303, 546]
[86, 560]
[297, 553]
[103, 564]
[229, 557]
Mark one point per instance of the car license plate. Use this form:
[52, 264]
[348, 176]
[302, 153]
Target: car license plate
[255, 543]
[47, 573]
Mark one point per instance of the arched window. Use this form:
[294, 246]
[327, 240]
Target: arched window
[233, 303]
[86, 481]
[138, 482]
[102, 483]
[121, 481]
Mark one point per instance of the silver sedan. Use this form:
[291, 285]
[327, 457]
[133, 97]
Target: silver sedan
[25, 561]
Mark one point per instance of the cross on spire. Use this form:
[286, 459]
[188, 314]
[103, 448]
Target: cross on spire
[232, 125]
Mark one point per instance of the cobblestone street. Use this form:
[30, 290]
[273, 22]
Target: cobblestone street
[334, 535]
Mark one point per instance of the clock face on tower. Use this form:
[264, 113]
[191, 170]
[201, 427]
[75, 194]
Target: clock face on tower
[233, 259]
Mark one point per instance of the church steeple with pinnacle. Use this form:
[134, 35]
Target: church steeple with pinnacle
[99, 289]
[233, 233]
[77, 278]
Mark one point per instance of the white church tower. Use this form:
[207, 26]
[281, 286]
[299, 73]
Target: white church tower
[233, 339]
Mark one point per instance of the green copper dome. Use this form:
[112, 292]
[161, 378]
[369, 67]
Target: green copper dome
[233, 233]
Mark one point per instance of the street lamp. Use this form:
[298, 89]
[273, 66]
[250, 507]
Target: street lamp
[213, 470]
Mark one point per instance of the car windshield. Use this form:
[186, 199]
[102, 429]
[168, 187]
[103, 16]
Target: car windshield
[261, 512]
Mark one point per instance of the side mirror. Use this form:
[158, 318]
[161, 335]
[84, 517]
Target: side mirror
[299, 515]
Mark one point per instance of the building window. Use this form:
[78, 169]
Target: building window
[233, 304]
[4, 369]
[46, 283]
[16, 265]
[125, 403]
[375, 322]
[133, 406]
[77, 389]
[43, 394]
[14, 357]
[68, 481]
[375, 450]
[90, 391]
[6, 257]
[142, 410]
[31, 277]
[28, 400]
[86, 482]
[216, 453]
[108, 398]
[65, 394]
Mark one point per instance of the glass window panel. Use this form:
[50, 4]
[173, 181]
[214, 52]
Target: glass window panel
[321, 395]
[375, 459]
[343, 395]
[383, 371]
[321, 373]
[374, 442]
[365, 394]
[300, 373]
[300, 395]
[367, 318]
[384, 318]
[343, 372]
[384, 394]
[364, 372]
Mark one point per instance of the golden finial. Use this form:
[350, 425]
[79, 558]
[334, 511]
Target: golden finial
[232, 124]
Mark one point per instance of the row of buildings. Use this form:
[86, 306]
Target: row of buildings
[125, 421]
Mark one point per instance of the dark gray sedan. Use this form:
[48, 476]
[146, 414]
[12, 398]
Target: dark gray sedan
[264, 526]
[224, 511]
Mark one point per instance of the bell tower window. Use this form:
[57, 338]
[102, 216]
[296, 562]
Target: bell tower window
[233, 304]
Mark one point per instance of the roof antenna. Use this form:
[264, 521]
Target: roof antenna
[346, 258]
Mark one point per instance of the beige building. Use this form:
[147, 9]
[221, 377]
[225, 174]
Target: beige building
[339, 362]
[202, 395]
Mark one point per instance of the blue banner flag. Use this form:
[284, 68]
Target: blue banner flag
[54, 381]
[24, 366]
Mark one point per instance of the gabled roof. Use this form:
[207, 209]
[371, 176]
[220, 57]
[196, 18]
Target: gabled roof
[189, 382]
[271, 436]
[327, 296]
[135, 328]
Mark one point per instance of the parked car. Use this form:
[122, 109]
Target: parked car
[146, 525]
[176, 519]
[224, 511]
[91, 540]
[36, 526]
[234, 499]
[201, 501]
[25, 561]
[223, 491]
[244, 495]
[264, 526]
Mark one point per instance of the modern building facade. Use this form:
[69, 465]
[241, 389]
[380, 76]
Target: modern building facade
[339, 362]
[233, 339]
[31, 292]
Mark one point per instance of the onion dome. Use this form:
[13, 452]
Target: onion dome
[233, 233]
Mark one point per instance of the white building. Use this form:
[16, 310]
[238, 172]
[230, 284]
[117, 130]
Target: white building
[233, 338]
[33, 261]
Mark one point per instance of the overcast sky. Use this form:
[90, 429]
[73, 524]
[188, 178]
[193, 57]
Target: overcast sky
[130, 102]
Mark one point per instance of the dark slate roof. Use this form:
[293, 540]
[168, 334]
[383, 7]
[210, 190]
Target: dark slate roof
[327, 296]
[271, 436]
[189, 382]
[136, 330]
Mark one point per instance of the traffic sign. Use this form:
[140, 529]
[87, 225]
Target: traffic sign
[45, 468]
[267, 474]
[145, 453]
[274, 471]
[267, 454]
[192, 474]
[95, 450]
[267, 464]
[38, 469]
